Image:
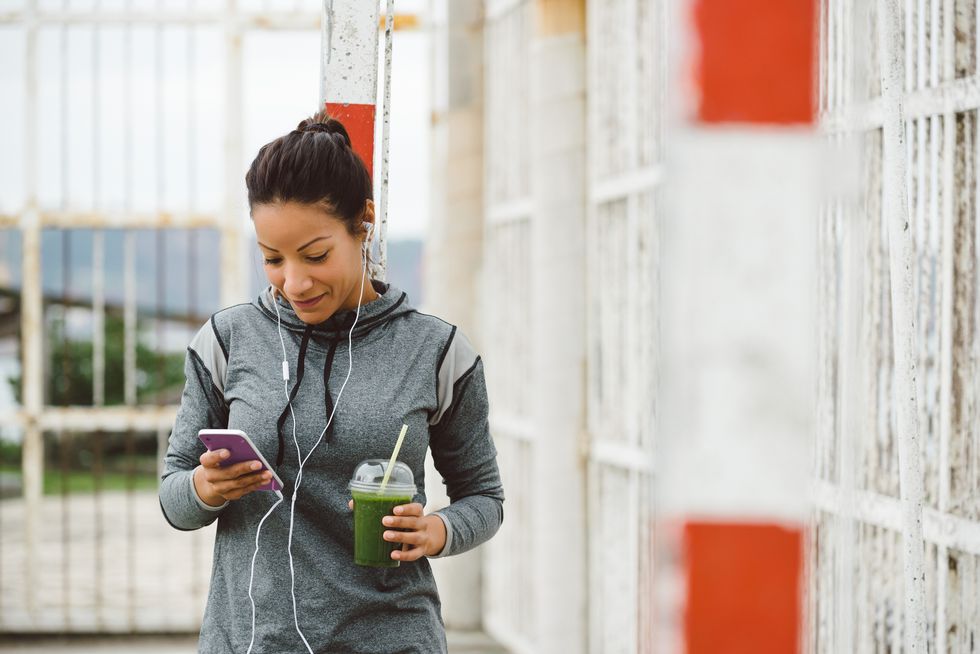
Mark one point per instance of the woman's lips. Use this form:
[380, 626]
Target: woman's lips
[308, 304]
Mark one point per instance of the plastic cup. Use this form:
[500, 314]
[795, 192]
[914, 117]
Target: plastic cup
[371, 504]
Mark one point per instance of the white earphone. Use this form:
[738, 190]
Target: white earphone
[302, 460]
[367, 239]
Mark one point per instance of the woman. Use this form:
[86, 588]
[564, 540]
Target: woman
[311, 203]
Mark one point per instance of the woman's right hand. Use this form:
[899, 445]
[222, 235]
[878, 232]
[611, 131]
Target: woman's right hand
[215, 485]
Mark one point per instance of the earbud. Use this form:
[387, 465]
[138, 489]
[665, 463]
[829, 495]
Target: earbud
[370, 232]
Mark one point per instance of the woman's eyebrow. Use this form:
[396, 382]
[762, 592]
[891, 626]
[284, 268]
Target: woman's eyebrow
[300, 248]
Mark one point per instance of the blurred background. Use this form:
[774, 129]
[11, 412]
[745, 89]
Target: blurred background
[733, 380]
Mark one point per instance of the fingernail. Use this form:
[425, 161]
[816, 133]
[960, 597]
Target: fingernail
[398, 510]
[256, 465]
[267, 476]
[223, 454]
[389, 535]
[387, 521]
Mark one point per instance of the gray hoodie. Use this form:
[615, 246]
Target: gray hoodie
[408, 368]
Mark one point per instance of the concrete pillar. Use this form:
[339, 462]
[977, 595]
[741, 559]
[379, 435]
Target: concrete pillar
[454, 243]
[557, 330]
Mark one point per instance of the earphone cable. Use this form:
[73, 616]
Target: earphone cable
[299, 475]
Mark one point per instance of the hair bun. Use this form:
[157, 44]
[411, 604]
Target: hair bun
[326, 124]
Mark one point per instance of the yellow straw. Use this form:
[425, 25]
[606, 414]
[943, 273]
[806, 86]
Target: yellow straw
[394, 456]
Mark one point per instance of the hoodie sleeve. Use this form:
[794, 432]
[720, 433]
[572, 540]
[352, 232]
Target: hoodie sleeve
[463, 449]
[202, 405]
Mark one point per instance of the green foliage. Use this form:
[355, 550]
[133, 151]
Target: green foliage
[159, 375]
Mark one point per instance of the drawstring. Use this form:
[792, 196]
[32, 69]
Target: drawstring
[327, 399]
[300, 365]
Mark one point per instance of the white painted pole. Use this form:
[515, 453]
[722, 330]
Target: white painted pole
[349, 85]
[382, 267]
[900, 256]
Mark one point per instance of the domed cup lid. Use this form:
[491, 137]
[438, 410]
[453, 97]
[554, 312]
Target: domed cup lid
[368, 475]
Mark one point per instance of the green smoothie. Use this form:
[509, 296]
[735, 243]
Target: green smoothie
[370, 547]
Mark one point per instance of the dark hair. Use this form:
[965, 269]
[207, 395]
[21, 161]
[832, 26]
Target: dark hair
[313, 164]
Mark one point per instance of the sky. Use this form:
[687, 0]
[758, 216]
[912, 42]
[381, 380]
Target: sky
[177, 127]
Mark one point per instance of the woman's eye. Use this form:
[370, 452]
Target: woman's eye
[317, 259]
[272, 262]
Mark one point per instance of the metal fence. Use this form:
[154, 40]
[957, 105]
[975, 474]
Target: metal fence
[509, 592]
[625, 91]
[127, 236]
[857, 581]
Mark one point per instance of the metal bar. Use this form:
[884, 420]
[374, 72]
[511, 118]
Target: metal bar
[129, 319]
[98, 237]
[31, 320]
[824, 56]
[954, 96]
[943, 529]
[110, 219]
[901, 256]
[130, 521]
[947, 370]
[198, 573]
[920, 45]
[231, 240]
[844, 52]
[847, 81]
[130, 335]
[98, 309]
[160, 234]
[97, 472]
[277, 21]
[382, 271]
[506, 212]
[909, 61]
[129, 239]
[621, 455]
[633, 182]
[62, 439]
[851, 384]
[112, 418]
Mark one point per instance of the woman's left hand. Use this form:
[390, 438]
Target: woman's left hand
[425, 535]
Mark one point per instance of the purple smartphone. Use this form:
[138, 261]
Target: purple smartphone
[242, 449]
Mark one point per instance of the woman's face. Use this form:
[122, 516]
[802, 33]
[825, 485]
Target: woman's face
[310, 257]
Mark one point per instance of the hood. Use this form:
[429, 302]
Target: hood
[391, 303]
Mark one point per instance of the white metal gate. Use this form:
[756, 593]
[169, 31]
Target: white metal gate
[507, 233]
[856, 581]
[75, 273]
[626, 56]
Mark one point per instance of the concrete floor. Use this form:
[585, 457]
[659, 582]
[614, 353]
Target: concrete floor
[459, 643]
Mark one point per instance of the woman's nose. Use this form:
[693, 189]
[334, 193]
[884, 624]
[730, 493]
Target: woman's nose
[296, 283]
